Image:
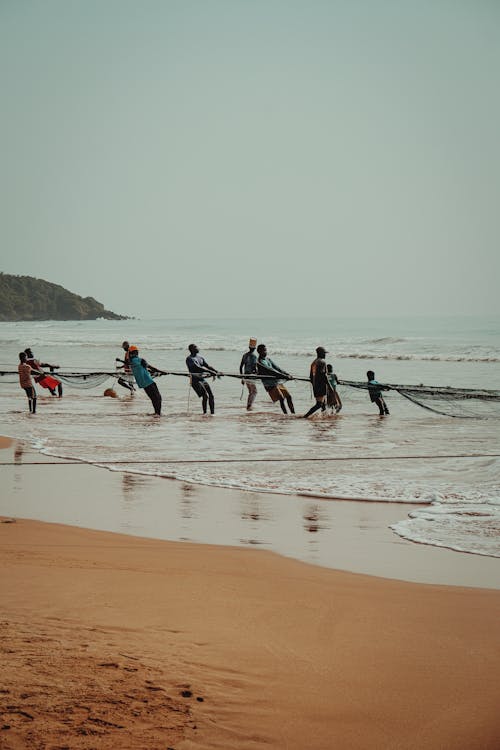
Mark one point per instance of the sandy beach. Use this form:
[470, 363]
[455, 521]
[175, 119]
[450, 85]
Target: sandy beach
[113, 641]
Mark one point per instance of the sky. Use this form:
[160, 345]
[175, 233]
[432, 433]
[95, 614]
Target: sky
[254, 158]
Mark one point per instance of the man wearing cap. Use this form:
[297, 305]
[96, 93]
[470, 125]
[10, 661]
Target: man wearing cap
[126, 380]
[318, 376]
[142, 374]
[198, 368]
[248, 366]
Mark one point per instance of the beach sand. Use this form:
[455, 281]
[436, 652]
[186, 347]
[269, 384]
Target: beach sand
[113, 641]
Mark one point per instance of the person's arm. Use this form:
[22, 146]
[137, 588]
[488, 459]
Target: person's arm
[380, 386]
[278, 369]
[34, 371]
[150, 368]
[209, 368]
[263, 369]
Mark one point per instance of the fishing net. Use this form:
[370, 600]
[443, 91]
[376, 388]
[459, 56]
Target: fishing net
[84, 380]
[451, 402]
[454, 402]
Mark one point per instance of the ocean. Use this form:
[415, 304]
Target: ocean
[447, 467]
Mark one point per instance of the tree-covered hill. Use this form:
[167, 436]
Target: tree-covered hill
[27, 298]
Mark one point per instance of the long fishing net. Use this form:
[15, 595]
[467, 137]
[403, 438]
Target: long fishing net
[451, 402]
[85, 380]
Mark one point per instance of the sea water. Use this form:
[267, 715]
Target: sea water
[448, 467]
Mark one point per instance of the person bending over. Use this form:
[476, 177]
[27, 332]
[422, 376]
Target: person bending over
[273, 385]
[46, 381]
[142, 374]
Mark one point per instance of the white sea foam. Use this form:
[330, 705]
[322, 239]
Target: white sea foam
[459, 526]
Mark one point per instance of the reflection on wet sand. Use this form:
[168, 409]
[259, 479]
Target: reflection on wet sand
[252, 514]
[314, 518]
[133, 484]
[18, 460]
[128, 484]
[188, 504]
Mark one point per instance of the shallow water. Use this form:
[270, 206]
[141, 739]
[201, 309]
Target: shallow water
[414, 456]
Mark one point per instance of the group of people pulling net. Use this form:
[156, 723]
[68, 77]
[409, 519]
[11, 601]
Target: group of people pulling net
[133, 371]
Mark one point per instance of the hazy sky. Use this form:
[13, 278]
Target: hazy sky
[254, 157]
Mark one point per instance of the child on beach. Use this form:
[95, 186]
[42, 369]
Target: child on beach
[26, 382]
[375, 390]
[332, 396]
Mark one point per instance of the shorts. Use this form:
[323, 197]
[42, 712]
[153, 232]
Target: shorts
[319, 392]
[277, 392]
[200, 387]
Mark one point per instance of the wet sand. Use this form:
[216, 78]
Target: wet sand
[112, 641]
[353, 536]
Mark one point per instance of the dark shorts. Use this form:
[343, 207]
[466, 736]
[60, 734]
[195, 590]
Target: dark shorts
[319, 391]
[200, 387]
[30, 392]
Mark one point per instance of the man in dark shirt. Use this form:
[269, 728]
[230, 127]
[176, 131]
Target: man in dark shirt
[199, 367]
[319, 378]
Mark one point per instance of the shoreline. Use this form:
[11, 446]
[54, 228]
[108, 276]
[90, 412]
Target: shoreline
[341, 535]
[118, 640]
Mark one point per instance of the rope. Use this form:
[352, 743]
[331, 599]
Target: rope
[189, 393]
[131, 462]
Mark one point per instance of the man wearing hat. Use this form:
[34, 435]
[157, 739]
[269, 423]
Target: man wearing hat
[318, 376]
[248, 366]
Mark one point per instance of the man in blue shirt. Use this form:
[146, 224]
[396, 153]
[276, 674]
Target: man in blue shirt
[248, 366]
[142, 374]
[375, 390]
[199, 367]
